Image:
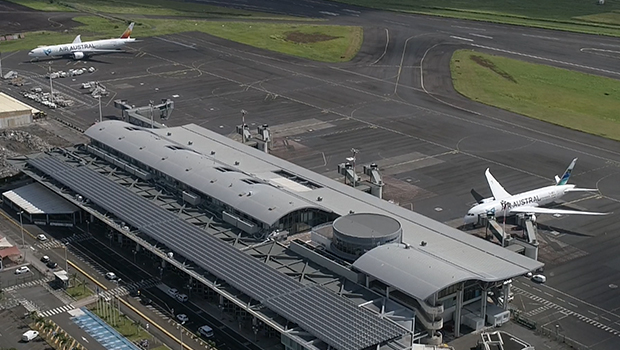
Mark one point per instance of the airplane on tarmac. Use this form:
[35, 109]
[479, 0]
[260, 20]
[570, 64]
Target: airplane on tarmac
[504, 204]
[78, 49]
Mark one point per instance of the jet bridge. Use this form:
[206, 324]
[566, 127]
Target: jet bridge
[145, 116]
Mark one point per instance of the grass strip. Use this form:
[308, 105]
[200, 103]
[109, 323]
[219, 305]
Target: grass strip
[575, 100]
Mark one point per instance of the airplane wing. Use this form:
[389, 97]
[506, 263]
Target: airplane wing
[582, 190]
[551, 211]
[498, 191]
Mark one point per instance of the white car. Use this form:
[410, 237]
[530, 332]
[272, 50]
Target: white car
[42, 238]
[182, 318]
[173, 292]
[182, 297]
[206, 331]
[539, 278]
[111, 276]
[22, 270]
[30, 335]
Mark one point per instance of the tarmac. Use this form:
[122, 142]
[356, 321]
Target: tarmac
[395, 104]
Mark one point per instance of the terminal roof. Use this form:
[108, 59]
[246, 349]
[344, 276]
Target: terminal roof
[214, 174]
[327, 316]
[36, 199]
[446, 246]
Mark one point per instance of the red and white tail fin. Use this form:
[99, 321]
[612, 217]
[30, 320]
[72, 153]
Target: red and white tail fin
[127, 32]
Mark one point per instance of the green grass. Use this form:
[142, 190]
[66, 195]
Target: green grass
[161, 347]
[270, 36]
[79, 292]
[146, 8]
[125, 326]
[571, 15]
[571, 99]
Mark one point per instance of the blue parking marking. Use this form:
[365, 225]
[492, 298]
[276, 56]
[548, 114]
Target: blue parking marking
[103, 333]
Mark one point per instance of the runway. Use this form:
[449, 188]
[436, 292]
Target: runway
[395, 104]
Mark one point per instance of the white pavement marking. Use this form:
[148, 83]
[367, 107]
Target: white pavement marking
[460, 38]
[481, 36]
[571, 304]
[546, 59]
[177, 43]
[567, 311]
[540, 37]
[387, 42]
[599, 50]
[469, 28]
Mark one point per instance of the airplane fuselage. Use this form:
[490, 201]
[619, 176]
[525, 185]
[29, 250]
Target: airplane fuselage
[75, 49]
[533, 198]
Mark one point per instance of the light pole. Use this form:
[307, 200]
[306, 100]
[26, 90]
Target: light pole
[151, 107]
[66, 260]
[134, 255]
[100, 115]
[243, 113]
[21, 226]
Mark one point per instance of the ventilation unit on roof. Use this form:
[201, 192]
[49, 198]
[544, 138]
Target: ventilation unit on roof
[190, 143]
[169, 133]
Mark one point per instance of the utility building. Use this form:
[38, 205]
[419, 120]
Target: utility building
[383, 260]
[14, 113]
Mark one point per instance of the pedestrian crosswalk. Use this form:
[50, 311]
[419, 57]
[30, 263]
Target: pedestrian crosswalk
[124, 290]
[53, 243]
[57, 310]
[29, 284]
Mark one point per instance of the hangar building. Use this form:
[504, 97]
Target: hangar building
[13, 112]
[402, 262]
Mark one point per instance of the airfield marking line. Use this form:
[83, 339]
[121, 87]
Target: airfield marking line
[387, 43]
[469, 28]
[481, 36]
[243, 56]
[546, 59]
[595, 49]
[605, 318]
[402, 59]
[603, 311]
[193, 47]
[549, 294]
[460, 38]
[560, 299]
[593, 313]
[420, 159]
[540, 37]
[375, 78]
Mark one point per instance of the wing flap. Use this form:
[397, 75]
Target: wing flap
[498, 191]
[551, 211]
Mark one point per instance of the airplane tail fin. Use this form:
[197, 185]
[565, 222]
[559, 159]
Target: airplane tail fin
[77, 39]
[477, 196]
[127, 32]
[564, 179]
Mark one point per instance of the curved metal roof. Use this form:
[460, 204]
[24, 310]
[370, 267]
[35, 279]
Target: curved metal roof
[419, 273]
[242, 191]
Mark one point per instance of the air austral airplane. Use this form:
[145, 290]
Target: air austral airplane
[78, 49]
[504, 204]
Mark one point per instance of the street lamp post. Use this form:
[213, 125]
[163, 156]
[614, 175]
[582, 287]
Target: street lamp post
[66, 259]
[21, 226]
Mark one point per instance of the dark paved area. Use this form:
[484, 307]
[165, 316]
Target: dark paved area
[12, 325]
[394, 102]
[15, 19]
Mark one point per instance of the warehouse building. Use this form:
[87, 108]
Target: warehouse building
[410, 261]
[14, 113]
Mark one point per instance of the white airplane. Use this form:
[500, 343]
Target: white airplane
[504, 204]
[78, 49]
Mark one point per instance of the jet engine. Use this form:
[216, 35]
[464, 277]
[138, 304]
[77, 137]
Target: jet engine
[78, 55]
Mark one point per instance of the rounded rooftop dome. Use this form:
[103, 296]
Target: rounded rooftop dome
[355, 234]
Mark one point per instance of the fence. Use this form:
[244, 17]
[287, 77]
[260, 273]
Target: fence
[556, 335]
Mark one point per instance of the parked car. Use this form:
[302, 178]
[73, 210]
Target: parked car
[182, 297]
[52, 265]
[146, 301]
[182, 318]
[42, 238]
[22, 270]
[539, 278]
[30, 335]
[206, 331]
[110, 276]
[173, 292]
[45, 259]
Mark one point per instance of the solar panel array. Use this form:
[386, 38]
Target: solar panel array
[327, 316]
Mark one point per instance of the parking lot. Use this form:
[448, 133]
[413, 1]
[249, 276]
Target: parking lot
[12, 325]
[8, 277]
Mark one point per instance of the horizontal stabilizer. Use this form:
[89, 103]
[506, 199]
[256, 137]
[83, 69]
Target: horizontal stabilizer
[551, 211]
[582, 190]
[479, 199]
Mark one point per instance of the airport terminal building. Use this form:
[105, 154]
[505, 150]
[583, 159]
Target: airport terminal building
[228, 217]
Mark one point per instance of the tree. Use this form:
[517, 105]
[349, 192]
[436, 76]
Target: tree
[137, 324]
[84, 283]
[72, 279]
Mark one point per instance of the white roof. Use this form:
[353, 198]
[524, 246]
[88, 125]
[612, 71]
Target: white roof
[36, 199]
[447, 248]
[9, 104]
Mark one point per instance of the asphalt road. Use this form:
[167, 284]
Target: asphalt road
[395, 103]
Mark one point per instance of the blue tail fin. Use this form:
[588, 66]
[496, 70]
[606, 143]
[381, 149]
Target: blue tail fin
[569, 170]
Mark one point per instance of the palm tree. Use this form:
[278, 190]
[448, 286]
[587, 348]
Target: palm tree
[47, 326]
[137, 324]
[62, 339]
[84, 283]
[73, 278]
